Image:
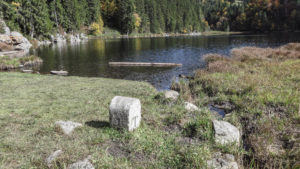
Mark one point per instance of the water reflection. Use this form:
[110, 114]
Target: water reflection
[91, 58]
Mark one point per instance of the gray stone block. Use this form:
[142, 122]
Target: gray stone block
[125, 112]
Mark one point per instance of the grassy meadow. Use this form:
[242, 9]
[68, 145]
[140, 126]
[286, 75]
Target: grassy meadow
[31, 104]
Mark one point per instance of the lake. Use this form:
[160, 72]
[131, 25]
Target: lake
[90, 58]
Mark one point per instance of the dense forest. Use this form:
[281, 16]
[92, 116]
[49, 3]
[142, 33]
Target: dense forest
[41, 18]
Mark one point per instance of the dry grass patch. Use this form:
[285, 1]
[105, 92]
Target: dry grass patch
[263, 84]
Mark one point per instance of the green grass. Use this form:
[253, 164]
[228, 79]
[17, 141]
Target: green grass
[263, 86]
[7, 63]
[31, 104]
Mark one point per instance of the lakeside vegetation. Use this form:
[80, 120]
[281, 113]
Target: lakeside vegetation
[9, 62]
[260, 92]
[42, 18]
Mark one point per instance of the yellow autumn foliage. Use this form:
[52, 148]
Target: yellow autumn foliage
[96, 28]
[17, 4]
[137, 21]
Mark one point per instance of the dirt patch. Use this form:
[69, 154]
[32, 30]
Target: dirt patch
[173, 128]
[117, 149]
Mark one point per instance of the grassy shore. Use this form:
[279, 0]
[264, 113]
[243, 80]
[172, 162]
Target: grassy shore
[259, 88]
[8, 62]
[31, 104]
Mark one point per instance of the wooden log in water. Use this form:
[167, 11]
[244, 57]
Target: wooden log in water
[144, 64]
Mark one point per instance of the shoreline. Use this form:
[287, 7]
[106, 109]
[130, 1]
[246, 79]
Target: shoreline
[132, 36]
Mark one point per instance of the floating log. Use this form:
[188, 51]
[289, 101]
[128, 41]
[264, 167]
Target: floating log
[60, 73]
[144, 64]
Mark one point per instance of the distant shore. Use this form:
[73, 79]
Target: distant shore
[150, 35]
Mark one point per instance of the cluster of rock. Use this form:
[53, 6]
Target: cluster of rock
[13, 41]
[225, 134]
[125, 113]
[62, 38]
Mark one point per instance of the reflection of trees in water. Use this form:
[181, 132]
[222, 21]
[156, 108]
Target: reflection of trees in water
[100, 47]
[138, 44]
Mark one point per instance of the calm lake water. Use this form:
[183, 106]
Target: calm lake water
[90, 59]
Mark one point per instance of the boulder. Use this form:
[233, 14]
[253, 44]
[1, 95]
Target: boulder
[4, 47]
[52, 157]
[67, 126]
[225, 133]
[125, 112]
[171, 94]
[19, 41]
[222, 161]
[84, 164]
[6, 39]
[60, 73]
[190, 107]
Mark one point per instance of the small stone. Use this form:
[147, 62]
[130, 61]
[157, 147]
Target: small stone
[53, 157]
[225, 133]
[190, 107]
[125, 112]
[60, 73]
[27, 71]
[68, 126]
[171, 94]
[85, 164]
[221, 161]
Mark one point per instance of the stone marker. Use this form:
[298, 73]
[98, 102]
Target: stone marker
[68, 126]
[52, 157]
[27, 71]
[84, 164]
[225, 133]
[222, 161]
[190, 107]
[60, 73]
[125, 112]
[171, 94]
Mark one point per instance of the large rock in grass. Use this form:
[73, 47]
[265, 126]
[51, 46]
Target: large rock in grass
[84, 164]
[67, 126]
[125, 112]
[225, 133]
[171, 94]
